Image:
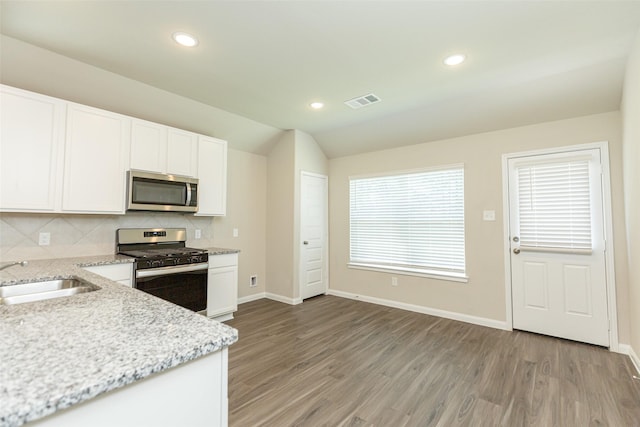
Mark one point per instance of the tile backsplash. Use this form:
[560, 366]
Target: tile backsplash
[86, 235]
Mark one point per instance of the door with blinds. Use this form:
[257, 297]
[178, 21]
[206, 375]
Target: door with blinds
[558, 278]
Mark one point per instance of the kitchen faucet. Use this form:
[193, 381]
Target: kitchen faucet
[22, 263]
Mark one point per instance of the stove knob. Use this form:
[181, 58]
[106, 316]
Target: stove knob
[156, 264]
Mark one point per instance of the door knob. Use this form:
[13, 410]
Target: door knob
[305, 243]
[516, 251]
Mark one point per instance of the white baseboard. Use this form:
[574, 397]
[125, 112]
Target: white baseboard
[482, 321]
[635, 359]
[280, 298]
[271, 296]
[252, 297]
[628, 350]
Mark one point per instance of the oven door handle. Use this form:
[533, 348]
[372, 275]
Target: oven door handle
[163, 271]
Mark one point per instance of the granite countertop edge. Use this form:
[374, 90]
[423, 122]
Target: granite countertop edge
[195, 336]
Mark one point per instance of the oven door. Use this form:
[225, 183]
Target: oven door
[184, 285]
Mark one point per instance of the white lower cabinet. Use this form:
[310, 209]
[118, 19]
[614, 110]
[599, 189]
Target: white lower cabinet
[121, 273]
[222, 288]
[190, 394]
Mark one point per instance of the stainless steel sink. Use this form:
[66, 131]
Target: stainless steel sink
[38, 291]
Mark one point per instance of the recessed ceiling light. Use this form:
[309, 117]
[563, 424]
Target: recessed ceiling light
[455, 59]
[185, 39]
[316, 105]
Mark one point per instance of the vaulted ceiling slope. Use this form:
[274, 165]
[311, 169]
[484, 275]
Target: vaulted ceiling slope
[527, 61]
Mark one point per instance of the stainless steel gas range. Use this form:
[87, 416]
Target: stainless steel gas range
[165, 267]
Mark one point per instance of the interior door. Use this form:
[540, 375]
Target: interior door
[313, 232]
[556, 219]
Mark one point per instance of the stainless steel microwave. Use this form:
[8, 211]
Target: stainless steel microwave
[161, 192]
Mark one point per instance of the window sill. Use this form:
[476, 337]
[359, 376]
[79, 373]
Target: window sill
[432, 274]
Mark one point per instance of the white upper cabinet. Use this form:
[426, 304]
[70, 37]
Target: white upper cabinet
[163, 149]
[96, 160]
[182, 153]
[148, 146]
[31, 149]
[212, 176]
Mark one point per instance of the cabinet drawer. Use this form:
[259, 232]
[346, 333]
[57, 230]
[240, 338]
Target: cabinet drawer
[115, 272]
[223, 260]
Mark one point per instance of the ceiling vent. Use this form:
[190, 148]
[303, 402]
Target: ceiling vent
[362, 101]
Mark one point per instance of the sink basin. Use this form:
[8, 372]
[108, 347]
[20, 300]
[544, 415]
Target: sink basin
[38, 291]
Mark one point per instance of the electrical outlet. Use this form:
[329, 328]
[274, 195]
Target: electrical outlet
[235, 232]
[44, 239]
[198, 234]
[394, 281]
[253, 281]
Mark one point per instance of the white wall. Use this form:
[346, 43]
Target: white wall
[631, 156]
[484, 295]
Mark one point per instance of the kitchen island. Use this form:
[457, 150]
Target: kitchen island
[116, 354]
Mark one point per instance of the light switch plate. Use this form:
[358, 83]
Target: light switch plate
[489, 215]
[235, 232]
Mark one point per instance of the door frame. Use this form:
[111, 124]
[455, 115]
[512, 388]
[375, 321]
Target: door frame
[325, 266]
[608, 230]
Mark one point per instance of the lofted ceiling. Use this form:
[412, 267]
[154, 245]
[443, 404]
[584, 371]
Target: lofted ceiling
[527, 61]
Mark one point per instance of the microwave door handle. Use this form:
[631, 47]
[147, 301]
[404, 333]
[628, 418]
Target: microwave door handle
[188, 195]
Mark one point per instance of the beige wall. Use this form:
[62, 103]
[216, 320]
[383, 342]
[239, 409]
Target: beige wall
[631, 150]
[247, 212]
[280, 205]
[294, 153]
[484, 295]
[309, 158]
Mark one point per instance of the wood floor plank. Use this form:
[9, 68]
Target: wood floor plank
[337, 362]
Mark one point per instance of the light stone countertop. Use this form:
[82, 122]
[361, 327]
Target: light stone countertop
[221, 251]
[60, 352]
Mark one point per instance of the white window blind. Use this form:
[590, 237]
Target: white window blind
[411, 220]
[555, 205]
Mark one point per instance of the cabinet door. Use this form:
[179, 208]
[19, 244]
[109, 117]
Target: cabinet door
[222, 291]
[31, 136]
[182, 152]
[96, 160]
[148, 146]
[212, 176]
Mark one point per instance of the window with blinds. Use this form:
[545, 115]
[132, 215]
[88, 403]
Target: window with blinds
[555, 205]
[409, 221]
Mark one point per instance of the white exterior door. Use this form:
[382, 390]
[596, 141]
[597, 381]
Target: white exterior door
[558, 276]
[313, 232]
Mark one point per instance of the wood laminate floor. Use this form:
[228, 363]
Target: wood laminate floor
[336, 362]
